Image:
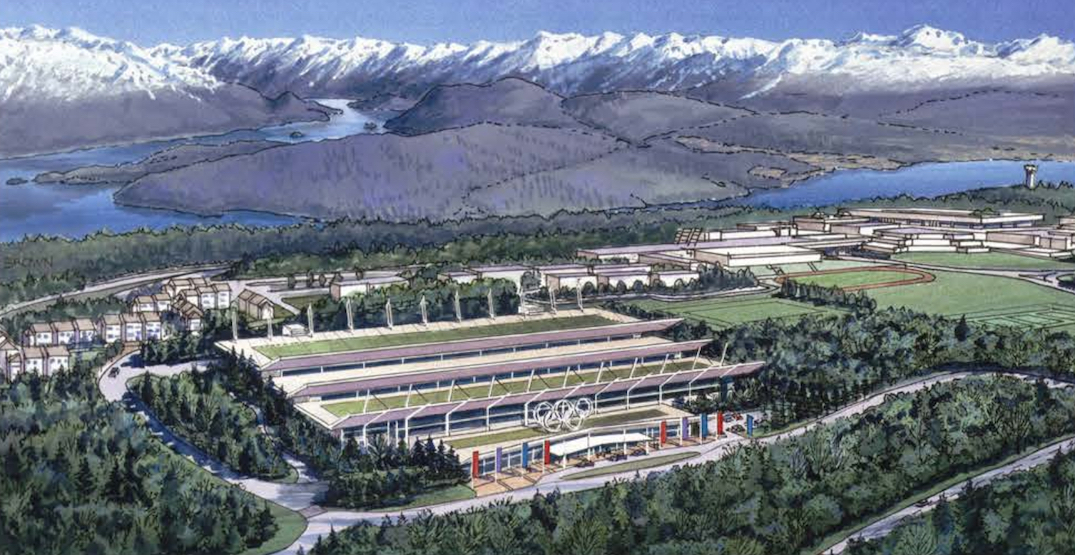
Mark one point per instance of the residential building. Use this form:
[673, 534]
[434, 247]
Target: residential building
[64, 332]
[57, 359]
[39, 335]
[134, 329]
[110, 328]
[188, 317]
[254, 306]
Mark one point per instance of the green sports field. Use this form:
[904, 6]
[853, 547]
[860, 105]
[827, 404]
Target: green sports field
[985, 260]
[732, 311]
[987, 299]
[853, 279]
[398, 339]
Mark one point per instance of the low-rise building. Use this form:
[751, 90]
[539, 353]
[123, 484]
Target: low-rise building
[144, 303]
[134, 329]
[57, 359]
[458, 276]
[188, 317]
[513, 273]
[622, 276]
[176, 286]
[9, 353]
[569, 279]
[154, 326]
[87, 332]
[255, 306]
[34, 360]
[110, 328]
[65, 332]
[346, 287]
[673, 278]
[39, 334]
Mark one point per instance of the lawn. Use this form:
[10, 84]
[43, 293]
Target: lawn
[988, 299]
[291, 524]
[300, 301]
[437, 497]
[530, 433]
[733, 311]
[852, 279]
[639, 464]
[987, 260]
[398, 339]
[502, 387]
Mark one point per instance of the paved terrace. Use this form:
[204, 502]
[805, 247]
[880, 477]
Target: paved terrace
[294, 384]
[483, 346]
[263, 350]
[683, 377]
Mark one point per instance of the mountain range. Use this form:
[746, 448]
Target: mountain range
[921, 57]
[557, 122]
[66, 89]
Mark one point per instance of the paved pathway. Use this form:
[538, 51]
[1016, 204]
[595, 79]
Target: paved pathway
[300, 495]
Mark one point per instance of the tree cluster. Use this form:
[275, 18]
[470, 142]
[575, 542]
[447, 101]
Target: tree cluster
[200, 410]
[1030, 512]
[826, 296]
[382, 474]
[81, 475]
[369, 308]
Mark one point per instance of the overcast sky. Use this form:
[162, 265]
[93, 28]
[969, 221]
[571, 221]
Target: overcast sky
[427, 21]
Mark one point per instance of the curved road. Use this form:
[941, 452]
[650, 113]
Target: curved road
[887, 524]
[321, 524]
[297, 496]
[307, 490]
[113, 285]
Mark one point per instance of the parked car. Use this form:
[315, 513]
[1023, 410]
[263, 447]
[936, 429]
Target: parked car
[585, 463]
[617, 457]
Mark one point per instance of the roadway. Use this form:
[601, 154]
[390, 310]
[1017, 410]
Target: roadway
[113, 286]
[297, 496]
[308, 490]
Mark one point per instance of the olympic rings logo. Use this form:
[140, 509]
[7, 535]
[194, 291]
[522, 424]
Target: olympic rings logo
[563, 415]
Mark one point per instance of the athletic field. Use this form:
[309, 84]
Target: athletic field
[733, 311]
[440, 336]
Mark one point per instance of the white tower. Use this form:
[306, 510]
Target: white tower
[1031, 173]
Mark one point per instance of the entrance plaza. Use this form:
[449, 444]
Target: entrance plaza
[487, 386]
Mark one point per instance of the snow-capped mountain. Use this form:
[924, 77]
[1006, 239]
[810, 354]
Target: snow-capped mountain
[37, 63]
[919, 57]
[66, 88]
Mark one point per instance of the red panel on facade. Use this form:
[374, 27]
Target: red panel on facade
[720, 423]
[474, 465]
[664, 432]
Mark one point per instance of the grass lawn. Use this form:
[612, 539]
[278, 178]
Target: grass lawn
[397, 339]
[300, 301]
[989, 260]
[503, 387]
[292, 525]
[647, 462]
[723, 313]
[851, 279]
[436, 497]
[987, 299]
[529, 433]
